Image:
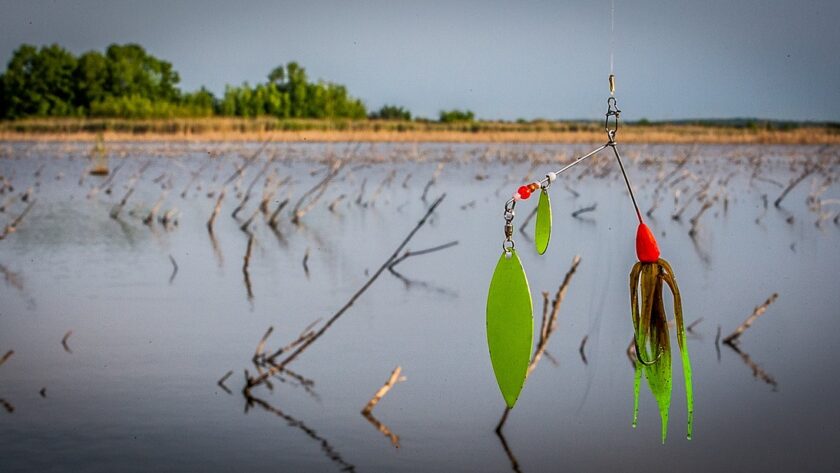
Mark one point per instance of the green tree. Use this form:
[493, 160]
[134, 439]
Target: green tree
[201, 103]
[296, 86]
[277, 76]
[132, 71]
[391, 112]
[455, 115]
[91, 76]
[39, 82]
[129, 82]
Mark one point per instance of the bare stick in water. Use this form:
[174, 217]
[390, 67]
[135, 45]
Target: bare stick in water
[250, 161]
[757, 312]
[7, 405]
[221, 381]
[409, 253]
[582, 349]
[195, 176]
[757, 371]
[174, 269]
[306, 262]
[326, 447]
[12, 227]
[808, 171]
[261, 345]
[64, 341]
[314, 194]
[253, 183]
[305, 335]
[691, 326]
[551, 324]
[251, 382]
[367, 411]
[379, 394]
[216, 210]
[577, 213]
[246, 226]
[695, 220]
[275, 216]
[335, 202]
[245, 263]
[150, 217]
[432, 181]
[6, 357]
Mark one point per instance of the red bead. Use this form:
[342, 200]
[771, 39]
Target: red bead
[524, 192]
[647, 250]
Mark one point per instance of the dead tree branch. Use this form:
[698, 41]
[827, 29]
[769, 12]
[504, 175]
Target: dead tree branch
[315, 193]
[577, 213]
[6, 357]
[216, 210]
[174, 269]
[64, 341]
[251, 382]
[367, 411]
[381, 392]
[757, 312]
[808, 171]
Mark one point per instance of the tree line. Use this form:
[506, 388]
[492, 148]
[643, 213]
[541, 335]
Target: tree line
[128, 82]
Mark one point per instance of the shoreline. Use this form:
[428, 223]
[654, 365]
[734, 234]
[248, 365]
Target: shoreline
[262, 129]
[784, 138]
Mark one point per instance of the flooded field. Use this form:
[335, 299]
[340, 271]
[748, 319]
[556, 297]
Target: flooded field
[134, 329]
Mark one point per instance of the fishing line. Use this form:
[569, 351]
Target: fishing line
[612, 43]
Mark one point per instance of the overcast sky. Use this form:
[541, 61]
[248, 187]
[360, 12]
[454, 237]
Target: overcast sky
[517, 59]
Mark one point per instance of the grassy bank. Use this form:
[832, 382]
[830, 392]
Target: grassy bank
[244, 129]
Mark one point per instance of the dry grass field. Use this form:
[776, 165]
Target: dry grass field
[258, 129]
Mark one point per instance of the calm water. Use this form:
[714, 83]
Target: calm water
[137, 390]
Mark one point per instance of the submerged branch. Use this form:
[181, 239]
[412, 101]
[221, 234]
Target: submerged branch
[381, 392]
[577, 213]
[64, 341]
[757, 312]
[6, 357]
[251, 382]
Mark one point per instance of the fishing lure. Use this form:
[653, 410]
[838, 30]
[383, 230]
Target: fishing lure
[650, 329]
[647, 308]
[510, 311]
[510, 307]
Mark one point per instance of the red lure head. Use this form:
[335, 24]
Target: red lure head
[647, 250]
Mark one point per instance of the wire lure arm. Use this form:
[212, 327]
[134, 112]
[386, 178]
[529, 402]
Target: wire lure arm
[611, 120]
[525, 191]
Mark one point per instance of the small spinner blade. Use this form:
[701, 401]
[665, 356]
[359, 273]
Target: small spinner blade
[542, 232]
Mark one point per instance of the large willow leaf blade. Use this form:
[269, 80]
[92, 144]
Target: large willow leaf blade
[510, 326]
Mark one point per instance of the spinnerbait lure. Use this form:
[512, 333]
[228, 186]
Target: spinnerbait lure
[509, 313]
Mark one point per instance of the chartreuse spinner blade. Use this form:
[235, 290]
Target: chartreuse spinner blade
[510, 325]
[510, 320]
[542, 231]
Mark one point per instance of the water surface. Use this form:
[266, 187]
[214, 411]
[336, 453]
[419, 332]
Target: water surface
[137, 389]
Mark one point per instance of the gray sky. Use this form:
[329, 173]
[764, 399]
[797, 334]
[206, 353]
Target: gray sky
[528, 59]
